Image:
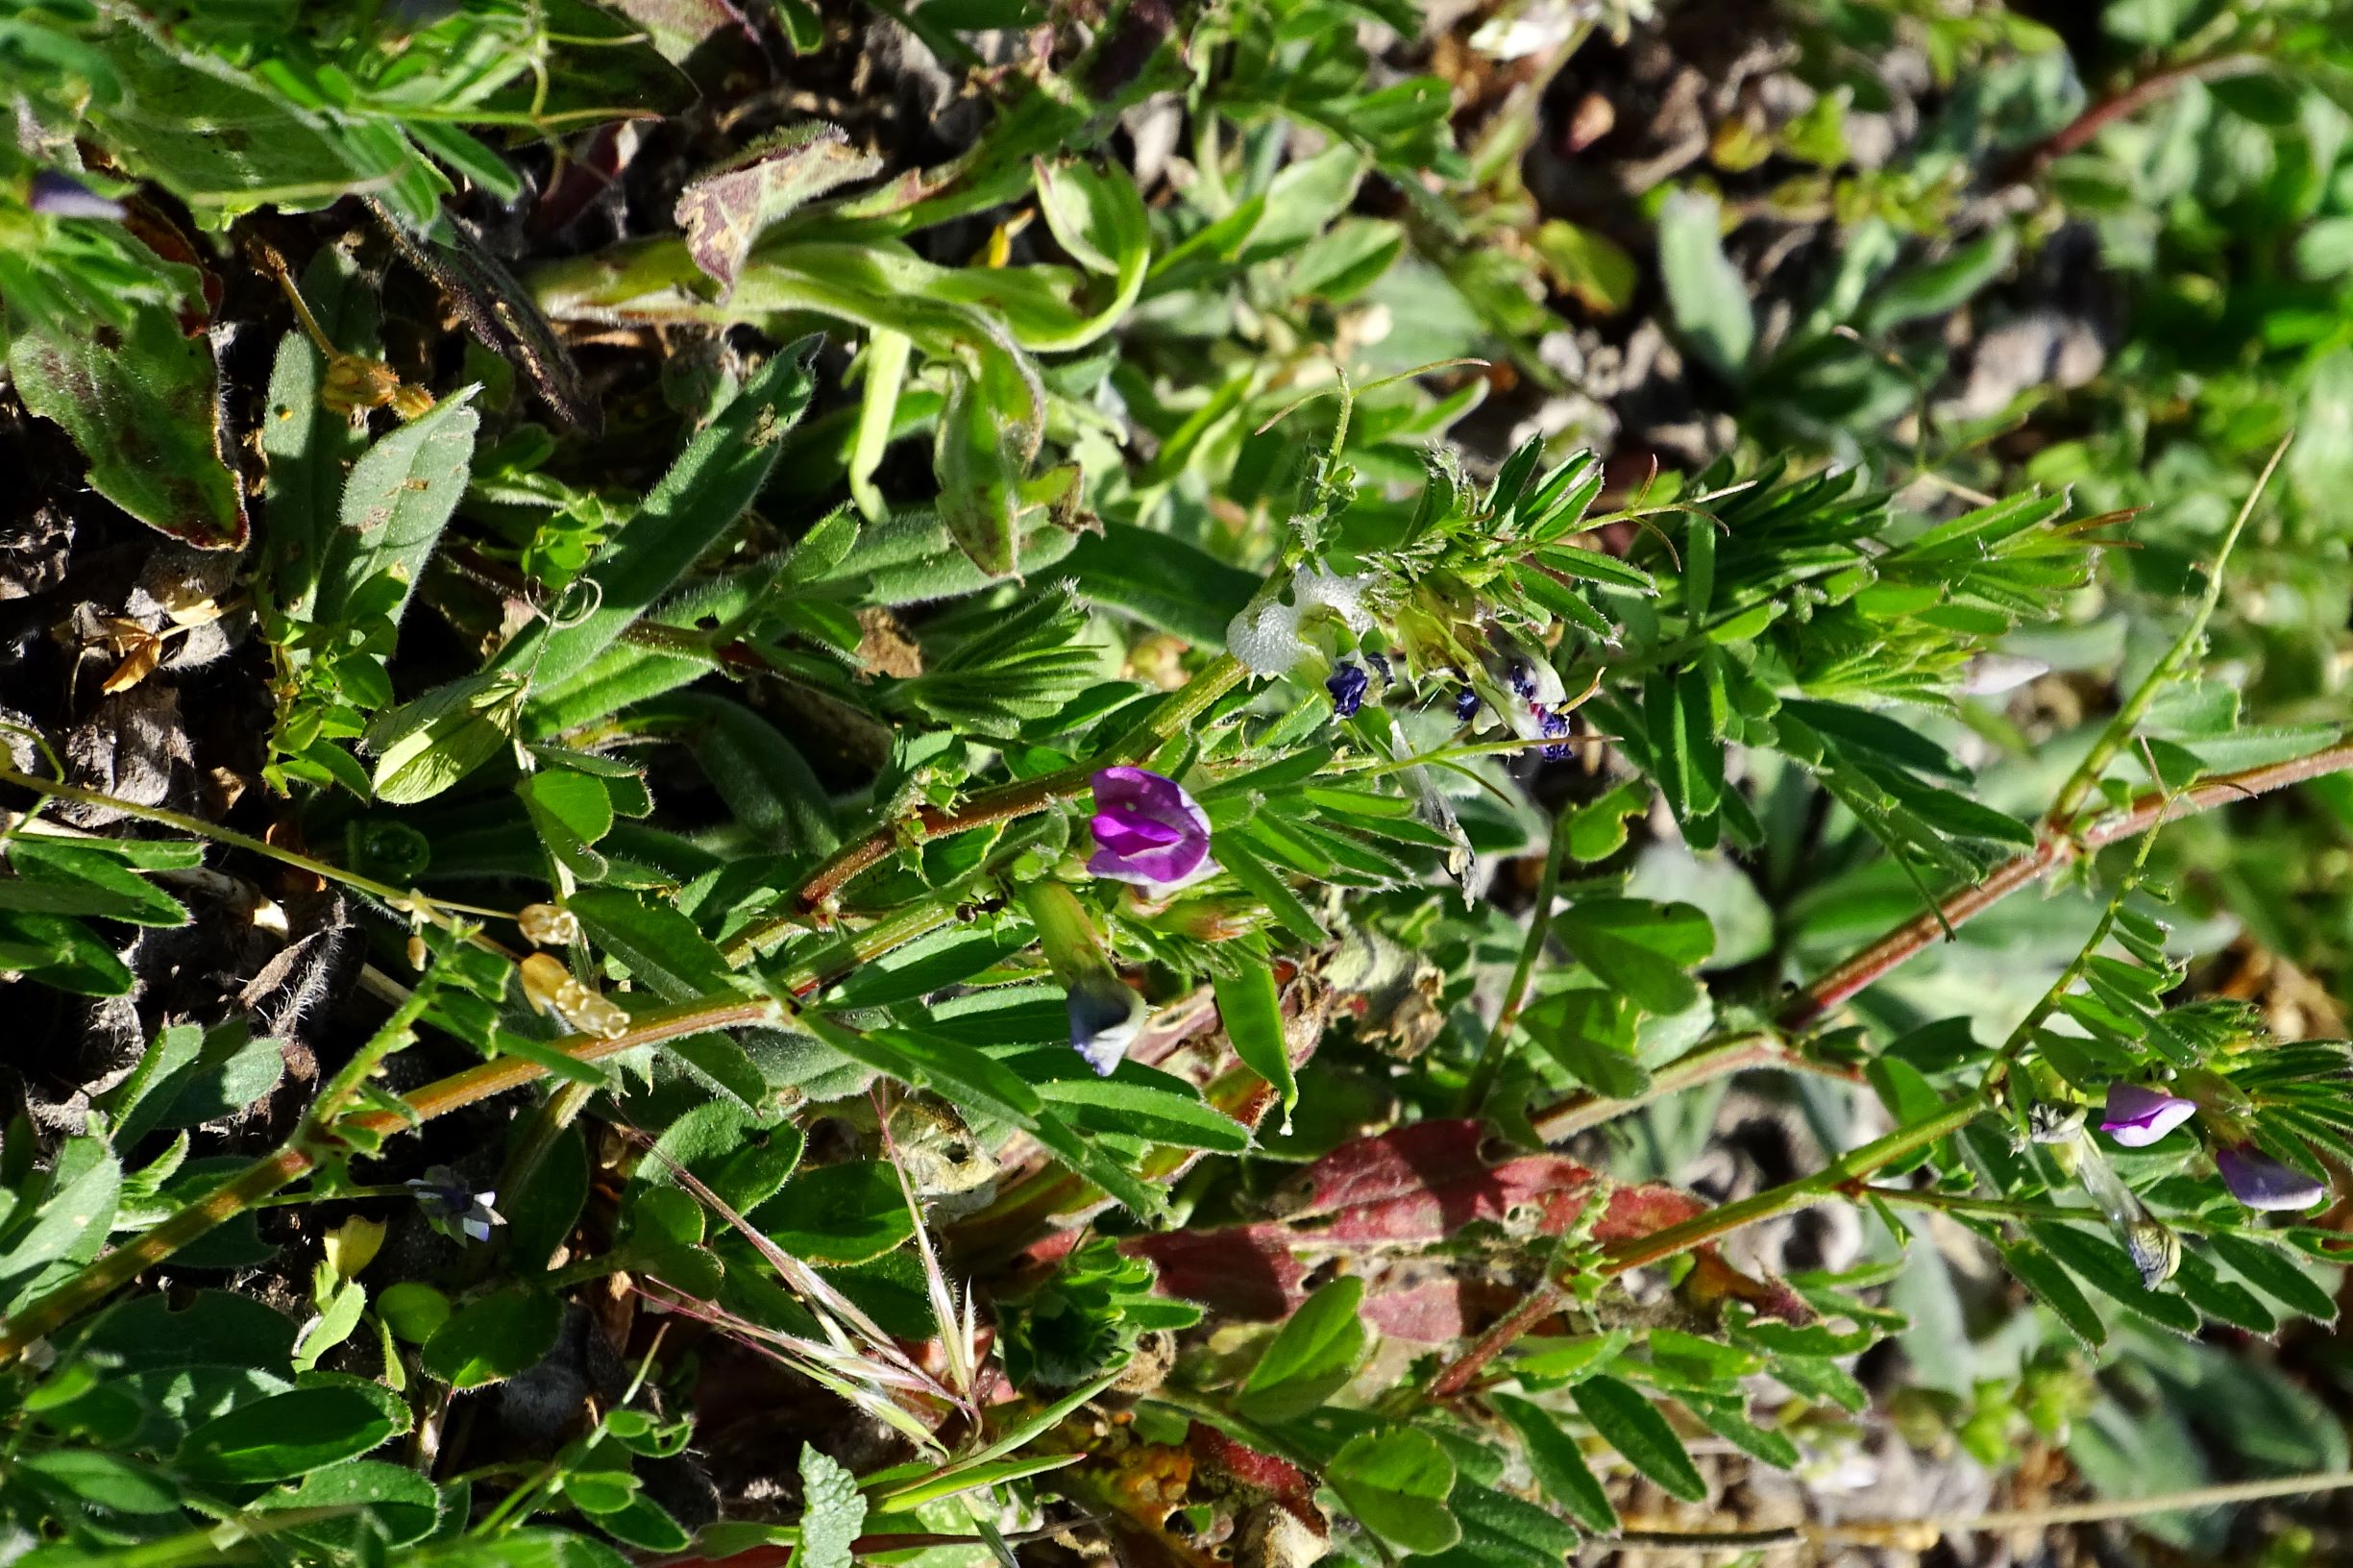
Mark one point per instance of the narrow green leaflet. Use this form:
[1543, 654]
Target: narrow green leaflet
[1640, 949]
[1251, 1009]
[2055, 1288]
[399, 497]
[493, 1338]
[1559, 1464]
[2276, 1275]
[1630, 1424]
[659, 946]
[1313, 1356]
[715, 478]
[2106, 1267]
[967, 1076]
[1145, 1111]
[289, 1435]
[56, 877]
[1707, 294]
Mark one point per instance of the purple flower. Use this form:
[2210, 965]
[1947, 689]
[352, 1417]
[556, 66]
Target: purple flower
[1147, 830]
[1106, 1016]
[1347, 687]
[2138, 1116]
[63, 196]
[452, 1207]
[1466, 705]
[1556, 724]
[2261, 1182]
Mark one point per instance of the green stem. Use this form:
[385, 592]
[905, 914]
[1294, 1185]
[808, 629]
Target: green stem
[1790, 1198]
[99, 1280]
[436, 910]
[2112, 740]
[1515, 995]
[397, 1031]
[1960, 1202]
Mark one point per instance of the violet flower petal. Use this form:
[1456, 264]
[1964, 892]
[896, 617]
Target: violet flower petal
[61, 196]
[1347, 685]
[2261, 1182]
[2138, 1115]
[1147, 830]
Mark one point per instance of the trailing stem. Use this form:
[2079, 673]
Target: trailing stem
[1873, 963]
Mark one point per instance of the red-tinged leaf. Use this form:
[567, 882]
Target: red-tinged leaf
[1391, 1165]
[1418, 1187]
[1641, 1211]
[1224, 1463]
[1245, 1271]
[724, 212]
[1432, 1312]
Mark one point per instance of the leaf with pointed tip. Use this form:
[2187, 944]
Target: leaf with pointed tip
[726, 212]
[141, 403]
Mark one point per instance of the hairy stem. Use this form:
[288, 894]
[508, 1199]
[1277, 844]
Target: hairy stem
[1791, 1196]
[99, 1280]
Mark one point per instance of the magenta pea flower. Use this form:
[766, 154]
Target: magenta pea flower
[2261, 1182]
[1148, 831]
[2138, 1116]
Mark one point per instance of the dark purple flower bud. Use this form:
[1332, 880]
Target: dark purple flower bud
[2138, 1116]
[452, 1207]
[2261, 1182]
[1466, 705]
[1556, 724]
[1147, 830]
[1105, 1016]
[1520, 676]
[1347, 687]
[61, 196]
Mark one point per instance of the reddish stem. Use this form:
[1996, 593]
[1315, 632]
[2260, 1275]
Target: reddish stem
[2029, 162]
